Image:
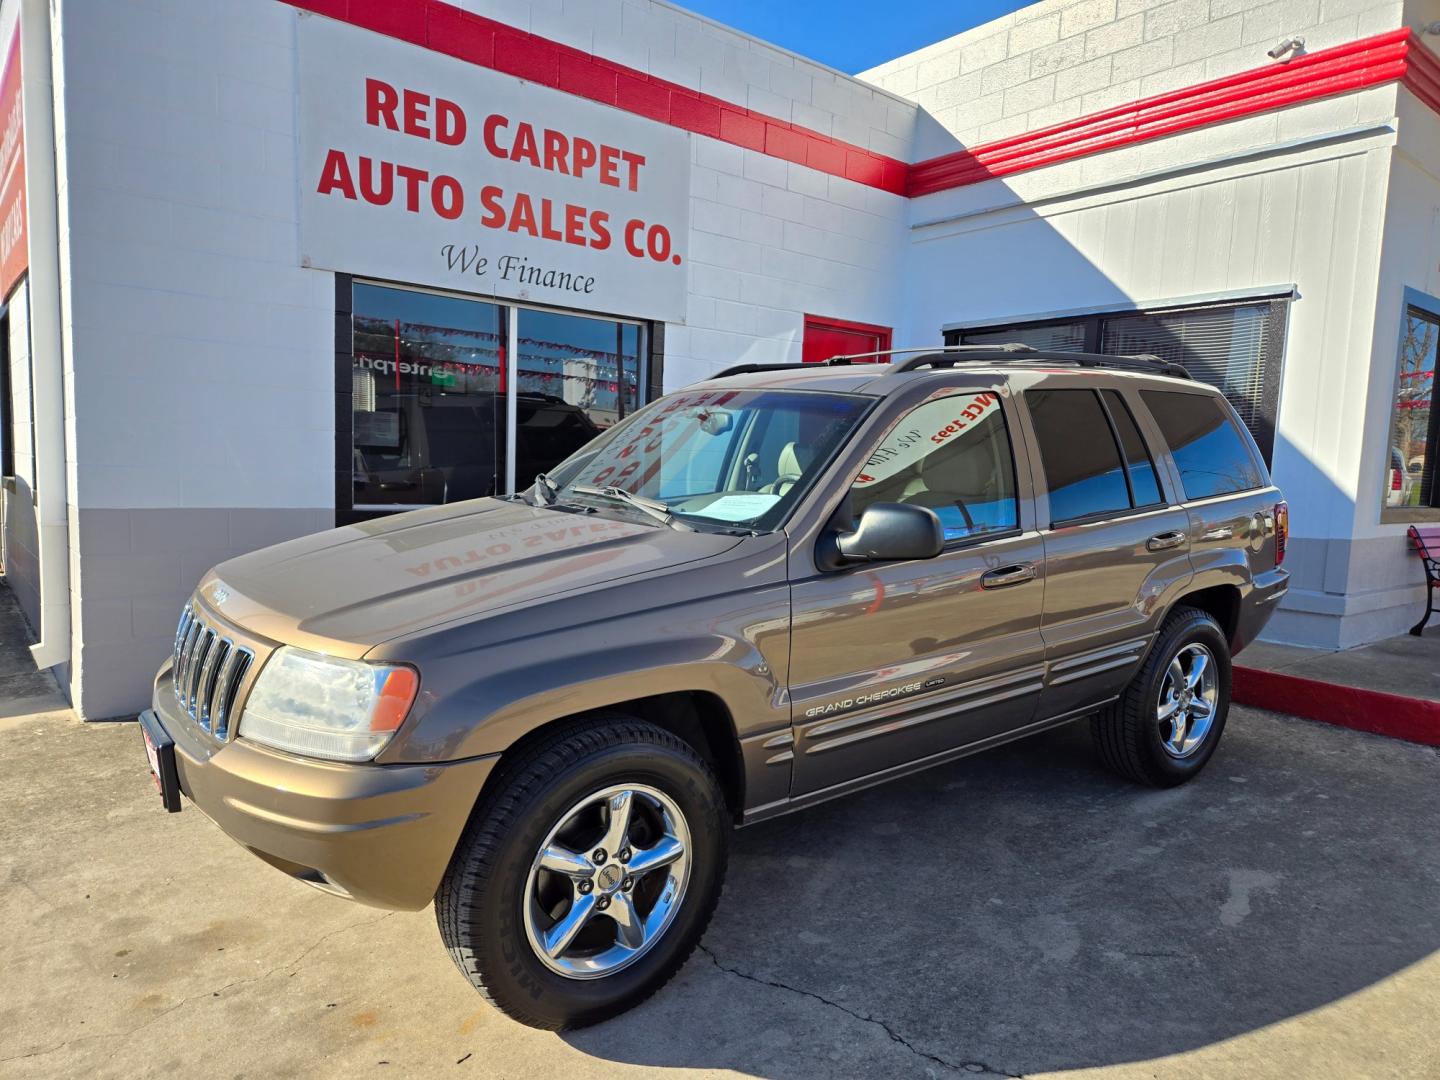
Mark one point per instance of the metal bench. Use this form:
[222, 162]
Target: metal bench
[1426, 539]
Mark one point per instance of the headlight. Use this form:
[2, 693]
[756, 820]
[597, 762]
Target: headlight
[325, 707]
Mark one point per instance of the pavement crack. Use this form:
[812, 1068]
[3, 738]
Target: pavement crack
[973, 1068]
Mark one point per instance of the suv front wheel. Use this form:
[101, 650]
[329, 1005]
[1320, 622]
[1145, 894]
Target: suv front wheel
[587, 876]
[1162, 730]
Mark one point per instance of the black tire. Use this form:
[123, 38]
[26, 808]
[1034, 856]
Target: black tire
[479, 904]
[1128, 734]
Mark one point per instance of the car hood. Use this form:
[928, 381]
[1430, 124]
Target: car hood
[349, 589]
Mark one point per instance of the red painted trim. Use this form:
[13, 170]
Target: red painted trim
[1342, 69]
[1422, 73]
[490, 44]
[1396, 55]
[1413, 719]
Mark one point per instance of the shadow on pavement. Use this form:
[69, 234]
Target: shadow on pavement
[1022, 911]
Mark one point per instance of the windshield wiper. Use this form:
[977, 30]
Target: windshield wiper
[547, 492]
[651, 507]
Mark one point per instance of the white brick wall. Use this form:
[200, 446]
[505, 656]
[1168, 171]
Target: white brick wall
[1059, 59]
[661, 39]
[181, 188]
[769, 243]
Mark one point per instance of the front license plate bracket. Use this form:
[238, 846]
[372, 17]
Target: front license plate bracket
[160, 749]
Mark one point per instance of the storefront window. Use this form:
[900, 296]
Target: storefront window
[1235, 347]
[577, 376]
[426, 384]
[1409, 464]
[430, 394]
[1065, 337]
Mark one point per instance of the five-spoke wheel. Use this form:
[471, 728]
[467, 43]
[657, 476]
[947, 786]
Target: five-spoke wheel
[607, 881]
[1167, 722]
[1187, 700]
[588, 872]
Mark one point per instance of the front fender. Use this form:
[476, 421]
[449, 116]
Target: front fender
[478, 701]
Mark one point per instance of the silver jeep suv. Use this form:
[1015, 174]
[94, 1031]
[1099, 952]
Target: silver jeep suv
[545, 712]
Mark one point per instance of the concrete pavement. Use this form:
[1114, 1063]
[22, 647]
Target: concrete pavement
[1020, 912]
[1405, 665]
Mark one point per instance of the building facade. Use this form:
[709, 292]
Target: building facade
[272, 267]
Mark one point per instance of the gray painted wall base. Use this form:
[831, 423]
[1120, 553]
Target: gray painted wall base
[136, 570]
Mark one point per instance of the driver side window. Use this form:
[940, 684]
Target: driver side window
[951, 454]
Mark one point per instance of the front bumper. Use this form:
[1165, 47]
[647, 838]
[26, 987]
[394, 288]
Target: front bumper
[382, 835]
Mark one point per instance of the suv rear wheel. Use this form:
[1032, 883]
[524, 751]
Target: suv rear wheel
[586, 878]
[1164, 727]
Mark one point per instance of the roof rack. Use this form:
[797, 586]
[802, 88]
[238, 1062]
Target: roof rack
[941, 356]
[1145, 363]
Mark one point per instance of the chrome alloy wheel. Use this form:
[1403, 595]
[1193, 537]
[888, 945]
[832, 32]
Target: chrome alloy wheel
[1189, 697]
[607, 881]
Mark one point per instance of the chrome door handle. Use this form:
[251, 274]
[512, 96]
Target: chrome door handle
[1165, 541]
[1008, 575]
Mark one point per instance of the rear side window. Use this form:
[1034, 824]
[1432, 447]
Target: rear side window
[1083, 470]
[1144, 485]
[1212, 456]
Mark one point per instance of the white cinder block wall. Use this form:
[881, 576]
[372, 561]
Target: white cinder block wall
[1059, 59]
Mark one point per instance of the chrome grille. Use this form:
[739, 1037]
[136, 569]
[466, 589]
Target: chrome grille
[207, 673]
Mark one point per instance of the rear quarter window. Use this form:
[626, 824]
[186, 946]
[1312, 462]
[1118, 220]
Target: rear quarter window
[1211, 454]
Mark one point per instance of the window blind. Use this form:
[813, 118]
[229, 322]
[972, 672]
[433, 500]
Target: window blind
[1232, 348]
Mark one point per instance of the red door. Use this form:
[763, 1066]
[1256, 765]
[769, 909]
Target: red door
[825, 338]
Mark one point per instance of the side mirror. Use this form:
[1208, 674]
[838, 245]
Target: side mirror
[889, 531]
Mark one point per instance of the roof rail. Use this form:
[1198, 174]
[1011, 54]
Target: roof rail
[1145, 363]
[749, 369]
[1013, 347]
[942, 356]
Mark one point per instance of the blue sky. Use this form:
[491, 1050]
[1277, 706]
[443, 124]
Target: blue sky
[850, 34]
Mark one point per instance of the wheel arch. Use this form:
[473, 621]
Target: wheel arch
[1220, 602]
[699, 717]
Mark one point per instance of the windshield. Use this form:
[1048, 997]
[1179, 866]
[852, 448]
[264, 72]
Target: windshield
[728, 458]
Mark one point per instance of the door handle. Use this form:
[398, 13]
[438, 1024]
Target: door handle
[1165, 541]
[1008, 575]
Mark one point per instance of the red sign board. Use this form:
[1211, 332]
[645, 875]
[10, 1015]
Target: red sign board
[14, 248]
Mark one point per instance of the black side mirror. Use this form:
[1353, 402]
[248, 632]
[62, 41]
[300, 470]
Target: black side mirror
[887, 531]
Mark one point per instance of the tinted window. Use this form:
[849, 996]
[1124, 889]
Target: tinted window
[1144, 487]
[951, 454]
[1078, 452]
[1208, 449]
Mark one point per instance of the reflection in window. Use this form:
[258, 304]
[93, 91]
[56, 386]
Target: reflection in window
[1082, 464]
[1208, 449]
[429, 393]
[738, 457]
[1144, 486]
[951, 454]
[1409, 465]
[425, 377]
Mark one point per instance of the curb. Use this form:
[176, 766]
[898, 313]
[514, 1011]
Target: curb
[1415, 720]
